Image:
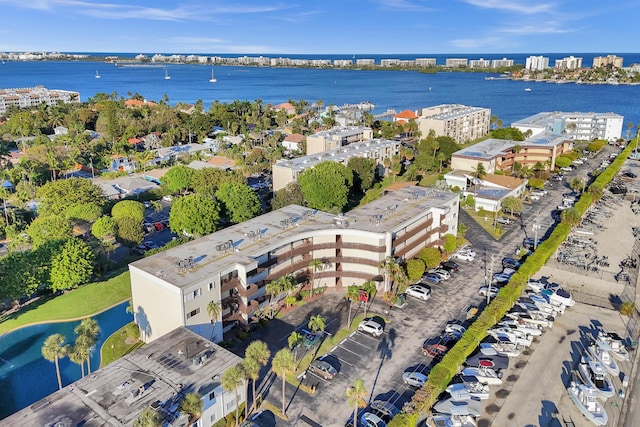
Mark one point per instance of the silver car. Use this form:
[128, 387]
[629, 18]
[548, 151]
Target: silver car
[419, 292]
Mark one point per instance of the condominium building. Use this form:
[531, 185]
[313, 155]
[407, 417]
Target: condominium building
[389, 62]
[342, 62]
[157, 375]
[569, 63]
[603, 61]
[286, 171]
[34, 96]
[537, 63]
[504, 62]
[426, 62]
[501, 155]
[337, 137]
[366, 62]
[233, 266]
[455, 62]
[461, 122]
[479, 63]
[576, 125]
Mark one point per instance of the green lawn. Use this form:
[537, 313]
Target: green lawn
[486, 222]
[117, 346]
[82, 302]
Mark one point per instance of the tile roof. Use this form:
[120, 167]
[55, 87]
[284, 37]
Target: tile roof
[406, 114]
[294, 137]
[505, 181]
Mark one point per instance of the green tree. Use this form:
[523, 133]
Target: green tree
[326, 185]
[56, 197]
[479, 172]
[316, 323]
[73, 266]
[259, 352]
[49, 228]
[512, 134]
[352, 294]
[431, 256]
[128, 209]
[214, 309]
[192, 404]
[233, 378]
[393, 273]
[88, 332]
[577, 184]
[357, 395]
[570, 216]
[129, 231]
[627, 308]
[536, 183]
[512, 204]
[596, 191]
[449, 243]
[104, 228]
[240, 202]
[363, 172]
[177, 179]
[148, 418]
[251, 371]
[294, 341]
[79, 352]
[415, 268]
[282, 364]
[195, 215]
[289, 195]
[563, 161]
[315, 265]
[88, 212]
[52, 350]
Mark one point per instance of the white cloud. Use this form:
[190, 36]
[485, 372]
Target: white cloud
[404, 5]
[542, 28]
[519, 6]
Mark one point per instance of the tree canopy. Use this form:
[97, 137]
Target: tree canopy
[239, 200]
[128, 209]
[326, 185]
[56, 197]
[363, 172]
[195, 215]
[72, 267]
[512, 134]
[48, 228]
[289, 195]
[177, 179]
[208, 180]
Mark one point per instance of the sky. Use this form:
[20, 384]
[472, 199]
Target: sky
[320, 26]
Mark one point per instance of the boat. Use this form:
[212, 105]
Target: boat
[97, 74]
[594, 375]
[500, 348]
[212, 79]
[459, 407]
[166, 74]
[556, 294]
[505, 335]
[484, 375]
[471, 387]
[531, 317]
[527, 89]
[495, 361]
[447, 420]
[613, 343]
[585, 399]
[604, 357]
[532, 330]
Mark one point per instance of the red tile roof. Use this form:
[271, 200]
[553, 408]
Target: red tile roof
[406, 114]
[294, 137]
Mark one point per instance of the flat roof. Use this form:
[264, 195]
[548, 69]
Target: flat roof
[449, 111]
[243, 243]
[492, 147]
[154, 375]
[341, 131]
[546, 119]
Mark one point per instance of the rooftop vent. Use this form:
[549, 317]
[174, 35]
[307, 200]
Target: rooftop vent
[225, 247]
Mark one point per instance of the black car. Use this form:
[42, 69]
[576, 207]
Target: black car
[511, 263]
[528, 243]
[450, 266]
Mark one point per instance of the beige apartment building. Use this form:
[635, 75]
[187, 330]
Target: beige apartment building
[337, 137]
[603, 61]
[286, 171]
[34, 96]
[461, 122]
[233, 266]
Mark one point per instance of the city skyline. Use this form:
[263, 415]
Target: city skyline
[363, 27]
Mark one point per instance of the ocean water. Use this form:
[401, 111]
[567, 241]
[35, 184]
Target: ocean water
[387, 89]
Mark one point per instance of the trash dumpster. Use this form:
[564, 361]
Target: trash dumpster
[401, 300]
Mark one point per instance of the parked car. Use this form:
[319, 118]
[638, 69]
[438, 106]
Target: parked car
[149, 228]
[147, 204]
[450, 266]
[511, 263]
[432, 277]
[629, 174]
[503, 220]
[150, 245]
[322, 369]
[167, 198]
[159, 226]
[419, 292]
[501, 279]
[453, 328]
[444, 274]
[527, 243]
[464, 256]
[372, 327]
[385, 410]
[566, 169]
[312, 340]
[485, 289]
[414, 379]
[369, 419]
[438, 346]
[139, 250]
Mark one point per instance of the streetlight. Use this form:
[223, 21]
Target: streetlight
[490, 279]
[535, 228]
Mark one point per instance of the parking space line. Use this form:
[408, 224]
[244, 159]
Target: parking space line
[340, 359]
[352, 352]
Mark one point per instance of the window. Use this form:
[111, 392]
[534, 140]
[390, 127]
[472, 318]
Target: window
[212, 395]
[197, 292]
[193, 313]
[231, 404]
[212, 285]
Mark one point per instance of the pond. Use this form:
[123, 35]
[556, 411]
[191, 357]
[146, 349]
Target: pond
[26, 377]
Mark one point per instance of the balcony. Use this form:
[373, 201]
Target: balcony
[228, 284]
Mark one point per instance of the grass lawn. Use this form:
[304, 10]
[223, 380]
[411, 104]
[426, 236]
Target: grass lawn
[117, 346]
[486, 222]
[82, 302]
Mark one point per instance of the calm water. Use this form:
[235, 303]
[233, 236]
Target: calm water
[26, 377]
[399, 90]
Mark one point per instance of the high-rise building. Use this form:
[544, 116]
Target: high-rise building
[603, 61]
[569, 63]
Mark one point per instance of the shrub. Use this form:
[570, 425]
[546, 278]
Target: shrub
[563, 161]
[132, 331]
[415, 268]
[536, 183]
[596, 145]
[431, 256]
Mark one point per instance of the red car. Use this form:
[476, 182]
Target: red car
[158, 225]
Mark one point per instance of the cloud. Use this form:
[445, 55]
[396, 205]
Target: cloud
[403, 5]
[519, 6]
[542, 28]
[485, 44]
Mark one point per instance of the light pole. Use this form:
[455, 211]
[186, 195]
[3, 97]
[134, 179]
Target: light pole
[490, 279]
[93, 175]
[535, 228]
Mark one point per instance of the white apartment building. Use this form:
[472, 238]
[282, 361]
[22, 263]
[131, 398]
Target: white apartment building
[576, 125]
[342, 62]
[455, 62]
[426, 62]
[286, 171]
[537, 63]
[337, 137]
[603, 61]
[504, 62]
[34, 96]
[569, 63]
[461, 122]
[233, 266]
[389, 62]
[366, 62]
[479, 63]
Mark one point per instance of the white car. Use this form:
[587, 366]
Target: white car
[415, 379]
[372, 327]
[167, 198]
[369, 419]
[454, 329]
[464, 256]
[419, 292]
[444, 274]
[483, 291]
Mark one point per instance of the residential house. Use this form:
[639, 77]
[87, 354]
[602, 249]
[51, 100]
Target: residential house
[131, 186]
[404, 116]
[489, 191]
[293, 142]
[120, 163]
[286, 106]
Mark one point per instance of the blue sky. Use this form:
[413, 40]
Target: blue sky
[320, 26]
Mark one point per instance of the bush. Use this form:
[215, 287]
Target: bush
[243, 335]
[563, 161]
[536, 183]
[596, 145]
[415, 268]
[431, 256]
[133, 331]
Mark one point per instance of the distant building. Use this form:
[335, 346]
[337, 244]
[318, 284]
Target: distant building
[576, 125]
[455, 62]
[488, 192]
[342, 62]
[286, 106]
[405, 116]
[603, 61]
[389, 62]
[479, 63]
[504, 62]
[366, 62]
[460, 122]
[537, 63]
[156, 376]
[293, 142]
[286, 171]
[569, 63]
[426, 62]
[34, 96]
[337, 137]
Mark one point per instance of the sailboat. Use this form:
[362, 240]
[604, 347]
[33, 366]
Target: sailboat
[166, 74]
[97, 74]
[212, 79]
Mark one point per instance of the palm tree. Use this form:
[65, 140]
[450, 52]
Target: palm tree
[627, 308]
[316, 323]
[315, 265]
[251, 371]
[259, 352]
[352, 293]
[214, 308]
[281, 365]
[233, 378]
[148, 418]
[294, 341]
[80, 351]
[52, 350]
[192, 404]
[88, 328]
[392, 272]
[479, 172]
[357, 394]
[512, 204]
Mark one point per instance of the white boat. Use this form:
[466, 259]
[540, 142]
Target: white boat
[474, 389]
[484, 375]
[556, 294]
[585, 399]
[527, 89]
[500, 348]
[593, 374]
[505, 335]
[613, 343]
[459, 407]
[212, 79]
[446, 420]
[532, 317]
[604, 357]
[97, 74]
[532, 330]
[166, 74]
